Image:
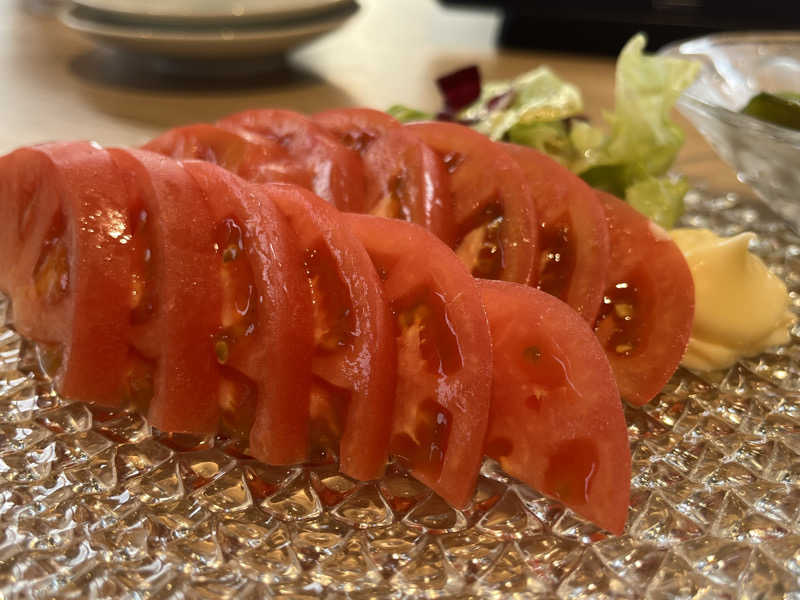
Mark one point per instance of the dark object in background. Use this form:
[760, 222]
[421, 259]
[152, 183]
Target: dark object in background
[603, 27]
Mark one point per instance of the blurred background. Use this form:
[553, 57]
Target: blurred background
[591, 26]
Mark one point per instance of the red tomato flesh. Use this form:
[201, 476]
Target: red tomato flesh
[648, 305]
[573, 236]
[335, 171]
[178, 297]
[65, 231]
[404, 178]
[252, 157]
[556, 420]
[492, 209]
[444, 355]
[355, 356]
[264, 331]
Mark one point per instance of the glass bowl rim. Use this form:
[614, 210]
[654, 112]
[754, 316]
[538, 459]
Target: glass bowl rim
[678, 49]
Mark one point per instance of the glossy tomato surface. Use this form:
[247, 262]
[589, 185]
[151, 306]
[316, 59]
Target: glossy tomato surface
[178, 297]
[336, 172]
[573, 236]
[404, 178]
[648, 306]
[252, 157]
[356, 128]
[492, 209]
[264, 332]
[556, 419]
[64, 230]
[443, 351]
[355, 356]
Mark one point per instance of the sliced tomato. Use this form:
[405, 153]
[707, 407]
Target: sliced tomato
[573, 236]
[648, 306]
[336, 171]
[68, 264]
[177, 295]
[356, 128]
[264, 331]
[355, 358]
[556, 419]
[252, 157]
[404, 178]
[444, 354]
[494, 216]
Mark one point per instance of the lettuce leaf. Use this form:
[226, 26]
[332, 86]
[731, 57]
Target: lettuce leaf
[537, 96]
[660, 198]
[404, 114]
[550, 138]
[643, 140]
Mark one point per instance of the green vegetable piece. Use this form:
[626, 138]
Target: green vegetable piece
[537, 96]
[781, 109]
[550, 138]
[404, 114]
[610, 178]
[644, 140]
[660, 198]
[643, 136]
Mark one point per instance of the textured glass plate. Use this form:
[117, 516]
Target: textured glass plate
[96, 505]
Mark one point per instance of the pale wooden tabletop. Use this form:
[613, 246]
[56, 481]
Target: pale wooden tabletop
[57, 85]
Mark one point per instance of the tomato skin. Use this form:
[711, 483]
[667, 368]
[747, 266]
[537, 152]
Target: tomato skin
[76, 184]
[572, 219]
[188, 295]
[404, 178]
[648, 274]
[277, 356]
[336, 172]
[366, 365]
[356, 128]
[249, 156]
[484, 178]
[556, 420]
[444, 362]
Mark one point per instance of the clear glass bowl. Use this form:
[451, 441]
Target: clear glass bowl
[735, 67]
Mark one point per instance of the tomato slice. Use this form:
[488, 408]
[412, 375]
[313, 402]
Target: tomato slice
[264, 331]
[444, 354]
[573, 236]
[177, 296]
[355, 356]
[648, 306]
[65, 227]
[556, 420]
[336, 171]
[493, 212]
[356, 128]
[404, 178]
[252, 157]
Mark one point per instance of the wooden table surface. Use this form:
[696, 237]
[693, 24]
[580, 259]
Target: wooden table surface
[58, 85]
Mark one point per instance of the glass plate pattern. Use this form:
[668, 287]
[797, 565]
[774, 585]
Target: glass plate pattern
[97, 505]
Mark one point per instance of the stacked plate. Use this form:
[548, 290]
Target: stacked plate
[206, 28]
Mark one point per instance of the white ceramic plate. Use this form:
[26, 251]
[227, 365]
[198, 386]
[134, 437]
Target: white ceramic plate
[205, 43]
[211, 10]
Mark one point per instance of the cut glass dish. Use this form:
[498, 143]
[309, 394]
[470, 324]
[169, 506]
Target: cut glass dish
[95, 504]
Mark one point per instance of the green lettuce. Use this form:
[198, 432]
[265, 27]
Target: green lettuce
[643, 140]
[660, 198]
[404, 114]
[536, 97]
